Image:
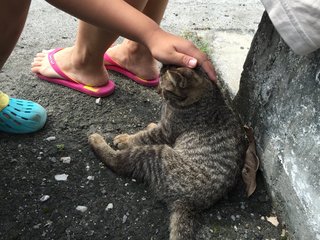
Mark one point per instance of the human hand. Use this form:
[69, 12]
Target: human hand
[171, 49]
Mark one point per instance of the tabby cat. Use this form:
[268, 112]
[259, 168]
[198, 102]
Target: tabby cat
[191, 157]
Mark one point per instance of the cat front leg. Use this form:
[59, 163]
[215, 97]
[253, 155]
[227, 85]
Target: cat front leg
[151, 126]
[151, 135]
[123, 141]
[102, 149]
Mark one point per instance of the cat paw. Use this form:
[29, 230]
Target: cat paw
[151, 126]
[102, 149]
[122, 141]
[96, 140]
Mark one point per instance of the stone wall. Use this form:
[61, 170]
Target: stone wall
[279, 97]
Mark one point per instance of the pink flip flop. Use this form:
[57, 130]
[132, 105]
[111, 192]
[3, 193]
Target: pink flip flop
[112, 65]
[66, 81]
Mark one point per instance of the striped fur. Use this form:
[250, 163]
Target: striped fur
[191, 157]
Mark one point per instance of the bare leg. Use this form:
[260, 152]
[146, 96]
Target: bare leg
[13, 14]
[84, 61]
[134, 56]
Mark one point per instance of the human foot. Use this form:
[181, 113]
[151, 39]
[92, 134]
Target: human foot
[70, 63]
[134, 61]
[54, 74]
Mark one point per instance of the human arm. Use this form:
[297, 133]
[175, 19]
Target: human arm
[132, 24]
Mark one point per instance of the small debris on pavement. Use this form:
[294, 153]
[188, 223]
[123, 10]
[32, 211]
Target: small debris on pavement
[52, 138]
[90, 178]
[103, 191]
[124, 218]
[37, 226]
[44, 198]
[49, 222]
[283, 233]
[98, 101]
[65, 159]
[53, 159]
[61, 177]
[82, 208]
[109, 206]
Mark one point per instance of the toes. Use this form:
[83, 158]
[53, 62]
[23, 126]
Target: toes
[38, 60]
[40, 55]
[35, 69]
[46, 51]
[36, 63]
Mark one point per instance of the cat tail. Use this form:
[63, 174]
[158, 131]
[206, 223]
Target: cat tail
[182, 222]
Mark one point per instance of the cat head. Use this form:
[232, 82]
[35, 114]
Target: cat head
[183, 86]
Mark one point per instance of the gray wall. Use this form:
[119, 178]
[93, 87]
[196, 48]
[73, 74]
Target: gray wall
[279, 96]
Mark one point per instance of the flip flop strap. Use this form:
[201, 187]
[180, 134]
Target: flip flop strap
[108, 59]
[54, 65]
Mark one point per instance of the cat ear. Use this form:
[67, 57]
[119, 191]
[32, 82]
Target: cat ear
[251, 163]
[172, 77]
[178, 79]
[183, 82]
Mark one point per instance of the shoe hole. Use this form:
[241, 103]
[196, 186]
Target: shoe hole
[17, 109]
[8, 126]
[7, 116]
[16, 122]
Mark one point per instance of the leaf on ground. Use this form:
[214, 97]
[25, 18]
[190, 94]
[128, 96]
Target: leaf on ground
[251, 163]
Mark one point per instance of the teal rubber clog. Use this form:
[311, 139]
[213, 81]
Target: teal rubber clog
[22, 116]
